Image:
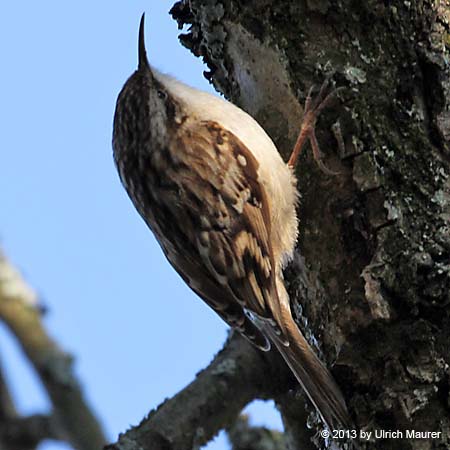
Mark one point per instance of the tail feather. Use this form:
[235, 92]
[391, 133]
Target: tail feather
[313, 376]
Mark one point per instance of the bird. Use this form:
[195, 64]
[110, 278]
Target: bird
[212, 187]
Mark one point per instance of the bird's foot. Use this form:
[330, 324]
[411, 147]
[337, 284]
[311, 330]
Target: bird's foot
[312, 110]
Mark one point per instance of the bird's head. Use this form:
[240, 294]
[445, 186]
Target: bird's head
[145, 110]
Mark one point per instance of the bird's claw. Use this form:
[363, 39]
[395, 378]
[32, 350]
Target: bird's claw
[312, 110]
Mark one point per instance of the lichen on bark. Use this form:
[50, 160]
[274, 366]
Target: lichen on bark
[373, 277]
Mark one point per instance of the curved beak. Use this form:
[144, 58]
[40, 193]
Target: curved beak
[142, 53]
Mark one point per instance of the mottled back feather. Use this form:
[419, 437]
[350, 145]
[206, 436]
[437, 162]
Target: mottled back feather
[212, 219]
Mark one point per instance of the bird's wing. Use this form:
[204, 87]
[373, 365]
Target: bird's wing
[212, 218]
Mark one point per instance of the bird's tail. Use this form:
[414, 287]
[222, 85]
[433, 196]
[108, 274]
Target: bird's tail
[313, 376]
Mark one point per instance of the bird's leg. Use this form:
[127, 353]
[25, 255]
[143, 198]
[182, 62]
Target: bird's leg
[312, 110]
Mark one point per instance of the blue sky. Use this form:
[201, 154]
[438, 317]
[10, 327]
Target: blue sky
[138, 333]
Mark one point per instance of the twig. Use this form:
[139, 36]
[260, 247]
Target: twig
[236, 376]
[25, 433]
[18, 309]
[7, 407]
[245, 437]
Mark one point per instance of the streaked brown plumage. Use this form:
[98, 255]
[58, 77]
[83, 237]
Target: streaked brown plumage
[210, 184]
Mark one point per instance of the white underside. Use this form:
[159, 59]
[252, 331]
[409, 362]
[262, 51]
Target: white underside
[274, 174]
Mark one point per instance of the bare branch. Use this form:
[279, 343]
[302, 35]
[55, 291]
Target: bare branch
[211, 402]
[245, 437]
[7, 407]
[26, 433]
[18, 309]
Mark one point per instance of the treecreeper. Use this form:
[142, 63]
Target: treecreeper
[213, 188]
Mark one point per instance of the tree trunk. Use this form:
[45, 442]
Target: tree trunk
[370, 283]
[375, 239]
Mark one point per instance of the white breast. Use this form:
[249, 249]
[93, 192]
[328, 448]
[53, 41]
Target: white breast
[274, 174]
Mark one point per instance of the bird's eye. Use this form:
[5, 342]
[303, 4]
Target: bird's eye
[162, 95]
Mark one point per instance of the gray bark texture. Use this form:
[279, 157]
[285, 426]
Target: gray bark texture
[370, 283]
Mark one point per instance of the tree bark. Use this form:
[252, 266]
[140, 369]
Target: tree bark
[245, 437]
[375, 240]
[211, 402]
[370, 282]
